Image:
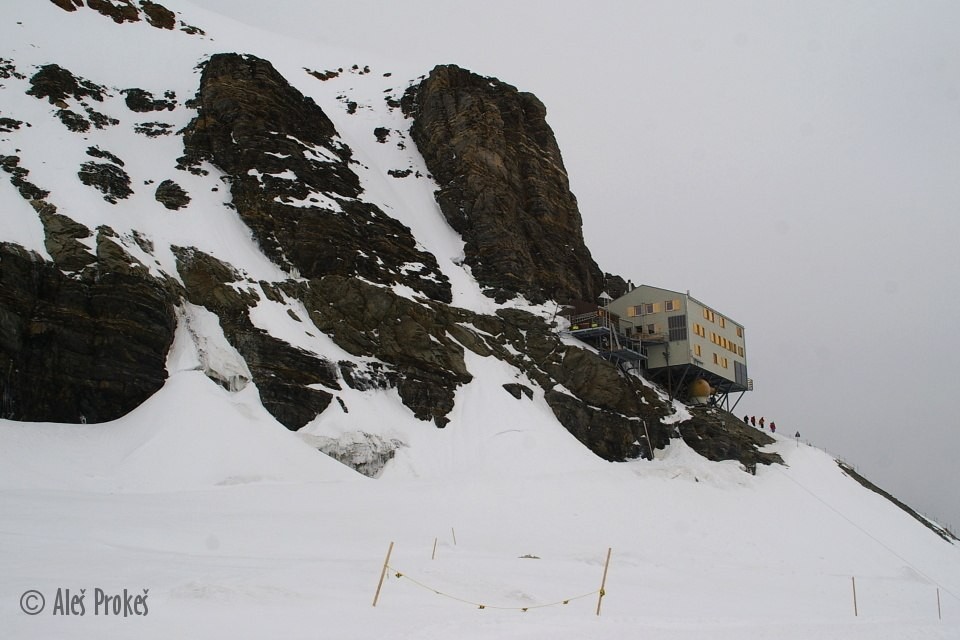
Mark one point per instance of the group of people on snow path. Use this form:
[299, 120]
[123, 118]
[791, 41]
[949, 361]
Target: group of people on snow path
[752, 420]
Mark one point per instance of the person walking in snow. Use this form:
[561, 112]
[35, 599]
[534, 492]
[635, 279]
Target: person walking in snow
[761, 422]
[746, 419]
[773, 427]
[753, 420]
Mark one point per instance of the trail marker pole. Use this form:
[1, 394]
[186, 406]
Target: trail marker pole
[434, 554]
[853, 581]
[383, 574]
[647, 435]
[939, 614]
[603, 583]
[454, 534]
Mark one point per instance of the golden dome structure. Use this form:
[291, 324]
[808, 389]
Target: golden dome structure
[700, 391]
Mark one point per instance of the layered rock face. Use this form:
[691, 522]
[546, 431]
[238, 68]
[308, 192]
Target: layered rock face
[423, 347]
[718, 435]
[82, 338]
[284, 375]
[85, 336]
[503, 186]
[79, 349]
[292, 183]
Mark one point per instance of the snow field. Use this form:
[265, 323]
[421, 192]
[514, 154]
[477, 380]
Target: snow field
[239, 529]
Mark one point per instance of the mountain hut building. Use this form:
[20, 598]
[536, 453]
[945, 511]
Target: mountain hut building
[674, 338]
[684, 339]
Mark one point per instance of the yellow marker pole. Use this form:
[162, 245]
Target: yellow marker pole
[603, 583]
[383, 574]
[853, 581]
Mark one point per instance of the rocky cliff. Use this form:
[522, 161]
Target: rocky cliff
[502, 185]
[87, 320]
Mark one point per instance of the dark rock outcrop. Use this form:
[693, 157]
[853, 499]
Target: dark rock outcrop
[423, 346]
[18, 178]
[83, 338]
[609, 435]
[368, 320]
[718, 435]
[503, 186]
[9, 124]
[604, 409]
[171, 195]
[292, 183]
[79, 349]
[58, 85]
[142, 101]
[9, 70]
[68, 5]
[121, 11]
[111, 180]
[63, 239]
[941, 531]
[154, 129]
[518, 391]
[283, 373]
[158, 15]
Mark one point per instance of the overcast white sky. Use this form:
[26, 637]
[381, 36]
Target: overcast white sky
[794, 164]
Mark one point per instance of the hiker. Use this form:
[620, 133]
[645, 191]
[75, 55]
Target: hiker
[746, 419]
[753, 420]
[773, 427]
[761, 422]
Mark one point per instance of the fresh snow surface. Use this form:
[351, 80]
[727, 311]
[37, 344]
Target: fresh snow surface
[239, 529]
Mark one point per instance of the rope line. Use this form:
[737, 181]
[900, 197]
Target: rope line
[868, 534]
[480, 605]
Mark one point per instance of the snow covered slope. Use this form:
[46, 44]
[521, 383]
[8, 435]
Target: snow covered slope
[241, 534]
[232, 526]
